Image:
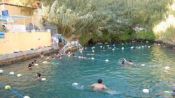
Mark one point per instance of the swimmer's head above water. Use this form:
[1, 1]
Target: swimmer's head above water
[100, 81]
[34, 61]
[30, 66]
[173, 92]
[38, 75]
[130, 60]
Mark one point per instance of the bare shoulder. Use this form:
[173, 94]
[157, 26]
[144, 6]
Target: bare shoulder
[93, 84]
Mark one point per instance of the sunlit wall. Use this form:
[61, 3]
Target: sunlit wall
[13, 42]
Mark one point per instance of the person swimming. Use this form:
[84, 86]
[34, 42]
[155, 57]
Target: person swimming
[130, 62]
[42, 55]
[38, 76]
[126, 62]
[30, 66]
[34, 61]
[173, 93]
[99, 86]
[123, 62]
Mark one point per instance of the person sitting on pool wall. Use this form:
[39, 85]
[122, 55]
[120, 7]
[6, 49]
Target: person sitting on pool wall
[99, 86]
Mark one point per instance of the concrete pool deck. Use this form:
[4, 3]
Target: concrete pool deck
[24, 55]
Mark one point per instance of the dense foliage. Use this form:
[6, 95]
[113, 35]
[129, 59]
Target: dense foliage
[106, 20]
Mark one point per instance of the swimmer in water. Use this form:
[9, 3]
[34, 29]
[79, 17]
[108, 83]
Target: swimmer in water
[123, 62]
[173, 93]
[34, 61]
[38, 76]
[126, 62]
[99, 86]
[41, 55]
[130, 62]
[30, 66]
[52, 57]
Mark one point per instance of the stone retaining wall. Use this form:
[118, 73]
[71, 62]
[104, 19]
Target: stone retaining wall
[22, 56]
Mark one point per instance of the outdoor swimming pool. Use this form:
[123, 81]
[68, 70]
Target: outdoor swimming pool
[154, 70]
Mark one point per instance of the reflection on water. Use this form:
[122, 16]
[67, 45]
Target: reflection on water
[163, 61]
[154, 70]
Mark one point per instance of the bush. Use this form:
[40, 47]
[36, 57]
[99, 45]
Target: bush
[144, 36]
[93, 38]
[84, 39]
[124, 37]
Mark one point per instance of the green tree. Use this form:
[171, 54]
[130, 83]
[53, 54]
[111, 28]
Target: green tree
[86, 17]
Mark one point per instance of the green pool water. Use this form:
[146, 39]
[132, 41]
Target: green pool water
[154, 69]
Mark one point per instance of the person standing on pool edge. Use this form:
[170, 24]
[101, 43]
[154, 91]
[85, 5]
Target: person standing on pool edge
[99, 86]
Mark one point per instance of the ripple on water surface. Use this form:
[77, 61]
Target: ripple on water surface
[153, 71]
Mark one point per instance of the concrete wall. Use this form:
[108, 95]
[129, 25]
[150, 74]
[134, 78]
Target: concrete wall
[19, 11]
[32, 14]
[24, 41]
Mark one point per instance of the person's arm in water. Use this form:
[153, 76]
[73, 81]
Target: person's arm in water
[92, 86]
[105, 88]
